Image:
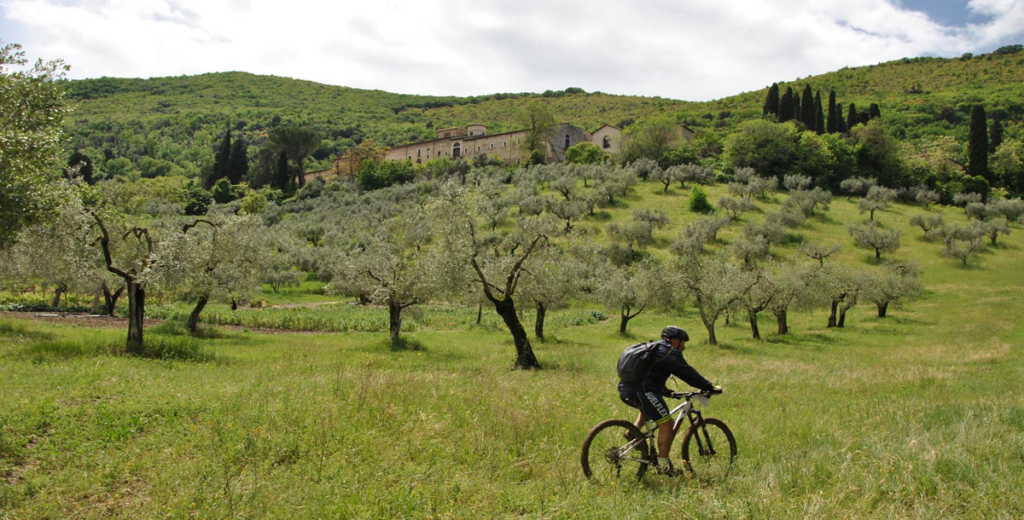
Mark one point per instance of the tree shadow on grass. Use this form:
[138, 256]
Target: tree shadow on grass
[823, 218]
[896, 319]
[13, 329]
[805, 339]
[155, 347]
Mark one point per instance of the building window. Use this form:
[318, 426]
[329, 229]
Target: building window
[517, 160]
[478, 148]
[607, 143]
[504, 144]
[456, 150]
[410, 157]
[492, 146]
[417, 152]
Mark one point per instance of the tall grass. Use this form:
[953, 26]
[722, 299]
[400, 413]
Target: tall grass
[917, 415]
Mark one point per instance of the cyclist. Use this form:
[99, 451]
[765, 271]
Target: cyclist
[647, 396]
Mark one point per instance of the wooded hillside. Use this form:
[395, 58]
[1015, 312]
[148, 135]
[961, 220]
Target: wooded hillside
[175, 121]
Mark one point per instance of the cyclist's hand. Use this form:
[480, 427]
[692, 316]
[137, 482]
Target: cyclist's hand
[676, 395]
[716, 390]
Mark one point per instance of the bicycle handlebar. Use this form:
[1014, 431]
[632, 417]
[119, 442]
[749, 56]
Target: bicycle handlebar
[688, 395]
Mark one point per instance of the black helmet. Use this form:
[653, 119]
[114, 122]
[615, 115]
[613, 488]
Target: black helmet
[673, 332]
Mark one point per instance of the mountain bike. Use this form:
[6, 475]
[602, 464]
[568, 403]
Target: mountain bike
[617, 448]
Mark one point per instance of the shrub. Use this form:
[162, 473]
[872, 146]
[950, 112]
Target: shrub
[374, 175]
[699, 201]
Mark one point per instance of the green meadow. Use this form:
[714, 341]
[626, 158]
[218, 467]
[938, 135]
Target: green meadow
[916, 415]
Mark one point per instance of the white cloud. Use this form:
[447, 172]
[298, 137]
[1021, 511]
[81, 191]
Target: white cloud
[685, 50]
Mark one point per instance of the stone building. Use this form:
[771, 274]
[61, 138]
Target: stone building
[469, 142]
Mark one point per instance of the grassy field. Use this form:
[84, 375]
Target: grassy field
[917, 415]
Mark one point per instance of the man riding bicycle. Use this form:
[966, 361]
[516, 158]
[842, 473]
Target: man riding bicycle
[647, 395]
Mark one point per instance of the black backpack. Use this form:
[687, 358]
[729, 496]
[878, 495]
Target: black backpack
[636, 361]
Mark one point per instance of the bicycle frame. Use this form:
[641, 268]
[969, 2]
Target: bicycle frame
[685, 410]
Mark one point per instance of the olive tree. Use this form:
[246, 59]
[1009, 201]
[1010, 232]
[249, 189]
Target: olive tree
[1012, 209]
[736, 207]
[633, 233]
[895, 284]
[32, 110]
[792, 288]
[696, 233]
[818, 250]
[60, 252]
[994, 228]
[757, 297]
[796, 182]
[392, 265]
[751, 249]
[962, 241]
[495, 263]
[878, 198]
[632, 289]
[224, 256]
[930, 225]
[857, 186]
[558, 274]
[138, 256]
[714, 283]
[808, 202]
[870, 236]
[839, 288]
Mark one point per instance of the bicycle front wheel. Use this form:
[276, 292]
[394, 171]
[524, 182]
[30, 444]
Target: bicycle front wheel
[708, 450]
[613, 450]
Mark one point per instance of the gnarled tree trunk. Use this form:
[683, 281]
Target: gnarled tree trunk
[781, 317]
[525, 358]
[136, 313]
[395, 322]
[193, 319]
[832, 317]
[110, 299]
[882, 307]
[538, 326]
[754, 331]
[57, 293]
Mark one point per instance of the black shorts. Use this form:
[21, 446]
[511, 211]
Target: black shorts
[652, 405]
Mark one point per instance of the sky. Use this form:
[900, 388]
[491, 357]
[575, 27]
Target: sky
[680, 49]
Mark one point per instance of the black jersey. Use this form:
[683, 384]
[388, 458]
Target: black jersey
[667, 362]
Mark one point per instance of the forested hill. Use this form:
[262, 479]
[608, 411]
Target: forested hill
[174, 121]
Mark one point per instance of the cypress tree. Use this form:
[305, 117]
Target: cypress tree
[796, 106]
[281, 175]
[995, 135]
[840, 122]
[851, 117]
[221, 160]
[977, 144]
[873, 111]
[238, 166]
[771, 103]
[84, 164]
[807, 114]
[819, 117]
[833, 115]
[786, 111]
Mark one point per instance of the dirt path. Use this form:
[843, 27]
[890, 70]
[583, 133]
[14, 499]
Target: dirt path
[95, 320]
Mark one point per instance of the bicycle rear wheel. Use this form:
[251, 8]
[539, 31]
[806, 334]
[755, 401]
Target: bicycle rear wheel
[613, 450]
[708, 450]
